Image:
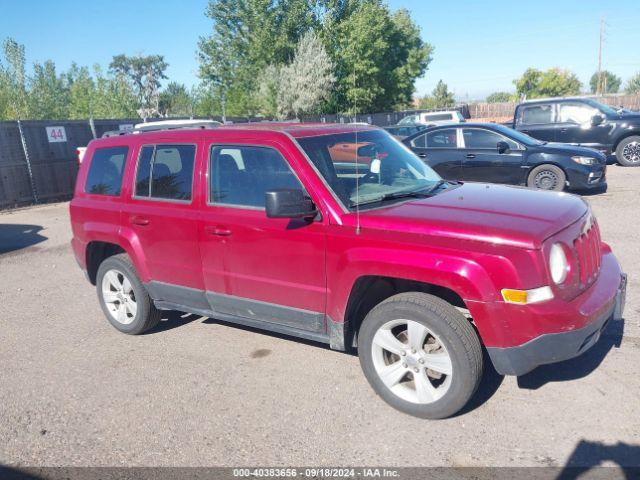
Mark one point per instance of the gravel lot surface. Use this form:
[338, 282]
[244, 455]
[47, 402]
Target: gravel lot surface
[198, 392]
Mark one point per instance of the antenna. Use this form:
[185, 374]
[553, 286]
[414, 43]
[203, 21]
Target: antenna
[355, 121]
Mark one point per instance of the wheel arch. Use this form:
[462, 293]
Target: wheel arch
[103, 244]
[371, 290]
[626, 134]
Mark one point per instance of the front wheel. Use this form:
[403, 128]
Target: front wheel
[420, 355]
[124, 300]
[628, 151]
[547, 177]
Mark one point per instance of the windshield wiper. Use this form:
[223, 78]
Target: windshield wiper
[423, 193]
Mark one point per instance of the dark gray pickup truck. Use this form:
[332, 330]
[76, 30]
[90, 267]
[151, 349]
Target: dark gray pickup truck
[585, 122]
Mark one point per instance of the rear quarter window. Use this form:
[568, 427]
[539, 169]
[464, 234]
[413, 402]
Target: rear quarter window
[105, 171]
[536, 114]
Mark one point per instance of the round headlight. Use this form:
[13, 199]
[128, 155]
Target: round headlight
[558, 264]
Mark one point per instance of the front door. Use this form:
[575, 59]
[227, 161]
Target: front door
[575, 125]
[483, 163]
[264, 269]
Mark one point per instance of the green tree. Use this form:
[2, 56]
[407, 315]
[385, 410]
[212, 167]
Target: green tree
[205, 101]
[499, 97]
[114, 96]
[48, 92]
[145, 73]
[82, 92]
[633, 85]
[247, 36]
[302, 86]
[176, 101]
[378, 56]
[13, 81]
[554, 82]
[610, 82]
[442, 96]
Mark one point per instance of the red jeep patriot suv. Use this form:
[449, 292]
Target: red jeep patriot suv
[276, 226]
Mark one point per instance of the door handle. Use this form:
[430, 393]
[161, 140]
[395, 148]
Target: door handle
[563, 130]
[525, 131]
[219, 231]
[422, 155]
[470, 155]
[137, 220]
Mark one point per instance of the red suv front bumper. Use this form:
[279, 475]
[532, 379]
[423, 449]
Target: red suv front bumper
[558, 330]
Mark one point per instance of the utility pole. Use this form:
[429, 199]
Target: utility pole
[599, 86]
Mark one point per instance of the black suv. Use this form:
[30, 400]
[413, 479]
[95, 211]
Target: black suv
[585, 122]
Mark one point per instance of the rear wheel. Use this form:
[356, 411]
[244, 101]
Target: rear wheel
[420, 355]
[547, 177]
[124, 300]
[628, 151]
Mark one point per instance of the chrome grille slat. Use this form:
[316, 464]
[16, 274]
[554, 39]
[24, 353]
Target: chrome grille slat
[589, 255]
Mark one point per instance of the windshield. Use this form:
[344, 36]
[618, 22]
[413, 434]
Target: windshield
[606, 109]
[370, 169]
[408, 120]
[518, 136]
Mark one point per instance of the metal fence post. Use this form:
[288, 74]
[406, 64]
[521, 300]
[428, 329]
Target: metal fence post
[93, 128]
[23, 140]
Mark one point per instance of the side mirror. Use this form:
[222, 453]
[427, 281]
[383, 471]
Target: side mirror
[289, 203]
[597, 120]
[502, 146]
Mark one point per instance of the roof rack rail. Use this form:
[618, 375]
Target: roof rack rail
[174, 125]
[164, 125]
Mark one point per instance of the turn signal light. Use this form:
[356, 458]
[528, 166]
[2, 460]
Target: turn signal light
[524, 297]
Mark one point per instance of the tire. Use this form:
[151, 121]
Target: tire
[447, 334]
[547, 177]
[628, 151]
[128, 306]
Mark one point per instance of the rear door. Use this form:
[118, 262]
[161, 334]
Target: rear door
[483, 163]
[440, 150]
[160, 216]
[538, 121]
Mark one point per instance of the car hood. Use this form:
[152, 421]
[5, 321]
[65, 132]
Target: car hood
[570, 150]
[631, 116]
[496, 214]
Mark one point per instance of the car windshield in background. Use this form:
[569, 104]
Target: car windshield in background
[369, 167]
[602, 107]
[518, 136]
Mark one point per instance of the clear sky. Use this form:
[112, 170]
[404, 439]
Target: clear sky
[480, 46]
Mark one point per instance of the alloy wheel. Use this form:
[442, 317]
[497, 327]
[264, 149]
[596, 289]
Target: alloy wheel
[412, 361]
[631, 152]
[119, 297]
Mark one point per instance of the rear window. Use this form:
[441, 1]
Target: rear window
[536, 114]
[436, 117]
[165, 172]
[446, 138]
[105, 171]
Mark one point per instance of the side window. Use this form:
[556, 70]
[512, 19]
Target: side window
[242, 175]
[477, 138]
[105, 172]
[446, 138]
[576, 113]
[165, 171]
[535, 114]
